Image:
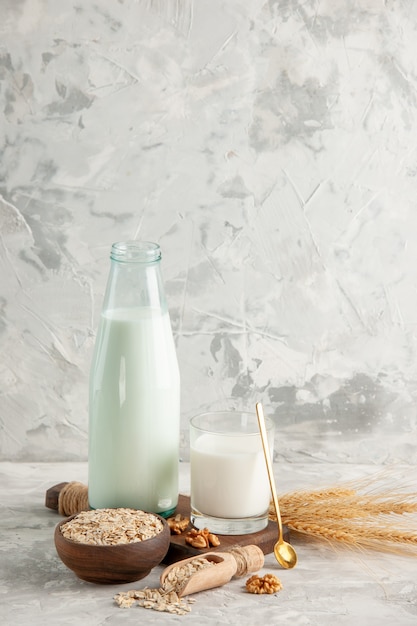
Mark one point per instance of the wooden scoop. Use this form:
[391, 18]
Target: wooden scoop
[237, 562]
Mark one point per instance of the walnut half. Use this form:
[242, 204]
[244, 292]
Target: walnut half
[201, 539]
[265, 584]
[177, 524]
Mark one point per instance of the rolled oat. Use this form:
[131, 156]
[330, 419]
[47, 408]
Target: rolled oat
[167, 597]
[109, 527]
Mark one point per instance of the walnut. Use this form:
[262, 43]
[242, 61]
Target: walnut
[265, 584]
[213, 540]
[197, 541]
[201, 538]
[178, 524]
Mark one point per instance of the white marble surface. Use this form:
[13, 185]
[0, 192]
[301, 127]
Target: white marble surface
[327, 587]
[268, 146]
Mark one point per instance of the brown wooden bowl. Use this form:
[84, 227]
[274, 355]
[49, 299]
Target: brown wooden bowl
[116, 564]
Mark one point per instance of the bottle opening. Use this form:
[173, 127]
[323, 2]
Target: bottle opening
[135, 252]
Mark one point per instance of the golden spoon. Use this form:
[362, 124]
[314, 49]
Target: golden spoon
[284, 552]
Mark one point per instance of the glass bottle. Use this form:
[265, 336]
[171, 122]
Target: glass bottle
[134, 389]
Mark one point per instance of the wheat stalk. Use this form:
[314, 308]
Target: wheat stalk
[368, 513]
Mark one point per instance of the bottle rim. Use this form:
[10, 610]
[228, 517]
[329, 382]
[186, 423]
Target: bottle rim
[135, 252]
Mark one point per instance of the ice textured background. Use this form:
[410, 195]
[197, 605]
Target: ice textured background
[270, 148]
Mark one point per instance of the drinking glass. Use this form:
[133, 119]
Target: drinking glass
[230, 491]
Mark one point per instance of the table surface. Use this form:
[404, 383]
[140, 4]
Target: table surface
[328, 587]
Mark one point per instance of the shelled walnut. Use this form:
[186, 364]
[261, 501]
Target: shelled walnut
[265, 584]
[178, 523]
[202, 539]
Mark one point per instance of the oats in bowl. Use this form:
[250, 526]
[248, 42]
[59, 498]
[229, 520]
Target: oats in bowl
[112, 546]
[109, 527]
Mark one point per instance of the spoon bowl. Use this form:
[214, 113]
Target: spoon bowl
[284, 551]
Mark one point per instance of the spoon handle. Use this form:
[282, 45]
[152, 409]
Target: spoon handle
[264, 438]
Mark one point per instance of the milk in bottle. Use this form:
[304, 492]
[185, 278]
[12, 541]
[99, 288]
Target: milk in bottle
[134, 389]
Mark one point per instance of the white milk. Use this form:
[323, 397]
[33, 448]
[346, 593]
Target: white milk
[134, 412]
[228, 476]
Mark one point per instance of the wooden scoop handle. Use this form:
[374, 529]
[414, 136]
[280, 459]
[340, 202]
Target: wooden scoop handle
[52, 496]
[67, 498]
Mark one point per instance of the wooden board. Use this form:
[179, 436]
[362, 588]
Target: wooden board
[178, 549]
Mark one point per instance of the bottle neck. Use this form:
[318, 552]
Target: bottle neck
[135, 252]
[135, 279]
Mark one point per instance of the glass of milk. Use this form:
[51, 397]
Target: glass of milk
[230, 492]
